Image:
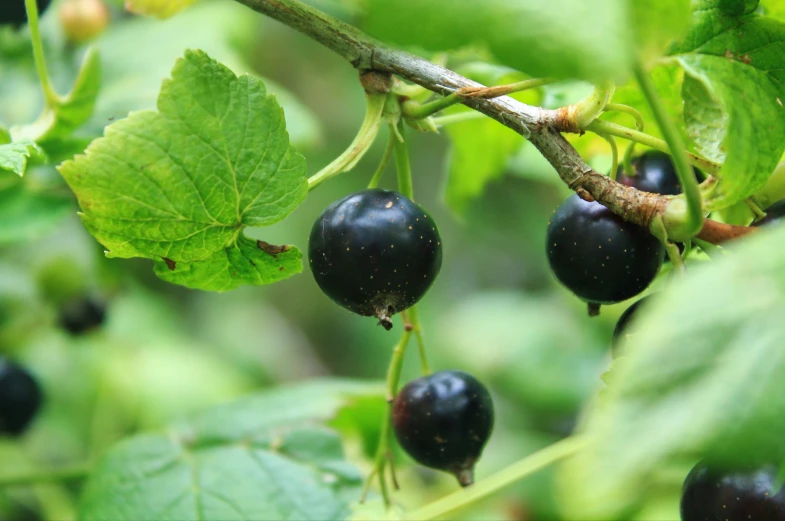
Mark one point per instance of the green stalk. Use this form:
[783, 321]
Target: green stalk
[589, 108]
[414, 320]
[614, 153]
[402, 164]
[377, 176]
[621, 131]
[439, 509]
[413, 110]
[374, 105]
[458, 118]
[50, 96]
[685, 225]
[71, 473]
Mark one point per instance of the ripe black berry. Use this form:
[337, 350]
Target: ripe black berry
[443, 421]
[20, 398]
[621, 326]
[712, 493]
[82, 314]
[654, 172]
[599, 256]
[375, 253]
[13, 12]
[774, 214]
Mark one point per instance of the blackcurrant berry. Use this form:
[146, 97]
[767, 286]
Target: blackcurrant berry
[774, 214]
[654, 173]
[375, 253]
[599, 256]
[83, 20]
[443, 421]
[80, 315]
[20, 398]
[624, 321]
[713, 493]
[13, 12]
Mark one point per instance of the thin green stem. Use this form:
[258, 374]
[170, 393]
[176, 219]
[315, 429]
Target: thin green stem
[70, 473]
[377, 176]
[362, 142]
[618, 107]
[50, 96]
[753, 205]
[492, 484]
[402, 164]
[589, 108]
[414, 110]
[711, 250]
[414, 320]
[458, 118]
[693, 222]
[614, 153]
[621, 131]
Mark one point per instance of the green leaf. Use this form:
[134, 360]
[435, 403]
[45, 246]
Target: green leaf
[14, 156]
[591, 39]
[157, 8]
[71, 111]
[27, 214]
[241, 263]
[179, 185]
[262, 457]
[734, 92]
[702, 374]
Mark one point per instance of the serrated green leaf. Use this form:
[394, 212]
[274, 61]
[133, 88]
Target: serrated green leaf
[774, 9]
[157, 8]
[70, 111]
[180, 184]
[738, 58]
[262, 457]
[241, 263]
[14, 156]
[702, 373]
[26, 214]
[591, 39]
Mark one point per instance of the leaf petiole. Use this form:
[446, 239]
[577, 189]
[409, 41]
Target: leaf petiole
[50, 96]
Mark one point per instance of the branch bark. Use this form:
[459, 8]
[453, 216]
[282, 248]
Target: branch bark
[366, 53]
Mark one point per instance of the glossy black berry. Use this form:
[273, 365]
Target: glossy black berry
[624, 321]
[20, 398]
[774, 214]
[13, 11]
[82, 314]
[375, 253]
[712, 493]
[654, 173]
[599, 256]
[443, 421]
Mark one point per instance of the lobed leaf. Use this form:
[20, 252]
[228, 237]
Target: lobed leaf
[262, 457]
[178, 185]
[14, 156]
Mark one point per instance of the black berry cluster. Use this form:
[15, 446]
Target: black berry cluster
[12, 12]
[81, 315]
[20, 398]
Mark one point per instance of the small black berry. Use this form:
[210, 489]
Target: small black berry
[375, 253]
[13, 12]
[443, 421]
[599, 256]
[20, 398]
[624, 321]
[81, 315]
[654, 173]
[774, 214]
[713, 493]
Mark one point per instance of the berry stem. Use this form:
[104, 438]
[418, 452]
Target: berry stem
[383, 452]
[754, 207]
[621, 131]
[614, 153]
[694, 217]
[70, 473]
[377, 176]
[50, 96]
[442, 121]
[639, 125]
[374, 105]
[414, 319]
[492, 484]
[402, 164]
[589, 108]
